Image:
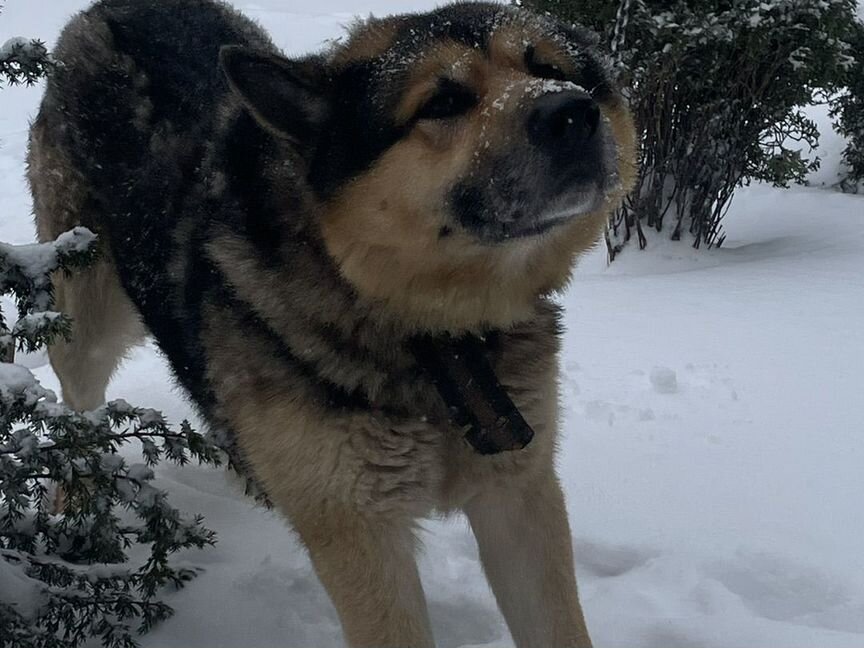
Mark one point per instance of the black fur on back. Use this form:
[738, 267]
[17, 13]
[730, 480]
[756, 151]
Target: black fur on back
[135, 102]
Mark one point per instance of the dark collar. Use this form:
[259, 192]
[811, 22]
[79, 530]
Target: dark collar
[460, 370]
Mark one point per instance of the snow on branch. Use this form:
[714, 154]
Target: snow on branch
[23, 61]
[25, 273]
[64, 572]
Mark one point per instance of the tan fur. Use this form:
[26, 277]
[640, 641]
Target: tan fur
[353, 482]
[105, 325]
[353, 485]
[383, 229]
[383, 232]
[507, 46]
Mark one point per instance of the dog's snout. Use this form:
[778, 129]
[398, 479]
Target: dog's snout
[563, 120]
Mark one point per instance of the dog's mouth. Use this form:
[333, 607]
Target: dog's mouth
[583, 202]
[518, 222]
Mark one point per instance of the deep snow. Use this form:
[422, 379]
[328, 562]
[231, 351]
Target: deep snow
[712, 415]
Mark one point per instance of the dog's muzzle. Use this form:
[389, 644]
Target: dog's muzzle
[558, 169]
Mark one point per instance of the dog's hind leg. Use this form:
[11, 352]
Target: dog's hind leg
[105, 322]
[105, 325]
[525, 547]
[367, 565]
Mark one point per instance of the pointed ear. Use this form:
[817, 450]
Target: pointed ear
[285, 96]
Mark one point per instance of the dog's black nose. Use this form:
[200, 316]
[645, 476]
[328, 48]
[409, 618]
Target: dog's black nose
[563, 120]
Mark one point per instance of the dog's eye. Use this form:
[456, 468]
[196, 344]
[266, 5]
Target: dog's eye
[542, 70]
[452, 100]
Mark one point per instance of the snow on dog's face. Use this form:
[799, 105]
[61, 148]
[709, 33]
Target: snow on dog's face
[461, 158]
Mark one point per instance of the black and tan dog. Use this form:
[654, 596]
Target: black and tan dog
[347, 260]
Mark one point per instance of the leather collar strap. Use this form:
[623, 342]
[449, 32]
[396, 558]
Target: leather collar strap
[467, 383]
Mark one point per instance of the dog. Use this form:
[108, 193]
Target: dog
[348, 260]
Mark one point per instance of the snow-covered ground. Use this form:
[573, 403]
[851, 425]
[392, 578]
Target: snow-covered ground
[713, 421]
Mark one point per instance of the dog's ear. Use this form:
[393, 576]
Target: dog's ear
[288, 97]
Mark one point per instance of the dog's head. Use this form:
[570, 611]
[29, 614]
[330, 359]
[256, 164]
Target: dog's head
[460, 159]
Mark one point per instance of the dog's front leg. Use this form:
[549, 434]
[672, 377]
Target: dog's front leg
[525, 548]
[367, 565]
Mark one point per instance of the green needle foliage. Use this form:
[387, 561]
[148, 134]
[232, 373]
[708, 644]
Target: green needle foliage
[71, 507]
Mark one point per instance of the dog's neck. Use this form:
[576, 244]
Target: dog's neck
[478, 403]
